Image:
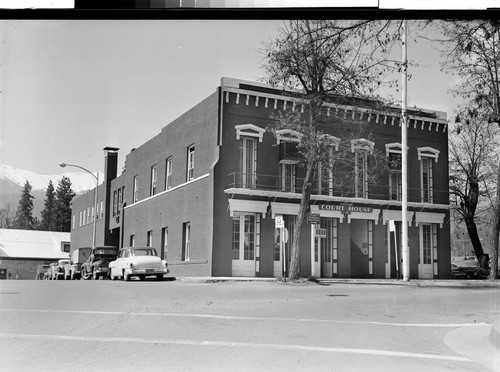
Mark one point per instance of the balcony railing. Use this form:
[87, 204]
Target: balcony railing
[274, 183]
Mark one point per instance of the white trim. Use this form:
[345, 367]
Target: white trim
[393, 148]
[427, 217]
[334, 139]
[242, 130]
[388, 215]
[166, 191]
[288, 161]
[247, 206]
[288, 135]
[362, 144]
[428, 152]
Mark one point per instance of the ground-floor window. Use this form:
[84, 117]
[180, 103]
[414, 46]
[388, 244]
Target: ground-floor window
[149, 238]
[132, 240]
[164, 242]
[186, 241]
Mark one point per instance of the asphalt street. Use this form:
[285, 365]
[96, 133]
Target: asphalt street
[246, 326]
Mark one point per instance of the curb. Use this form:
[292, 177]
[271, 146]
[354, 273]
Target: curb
[495, 334]
[444, 283]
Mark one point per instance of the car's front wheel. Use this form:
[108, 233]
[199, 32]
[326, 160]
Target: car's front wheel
[94, 275]
[85, 274]
[159, 277]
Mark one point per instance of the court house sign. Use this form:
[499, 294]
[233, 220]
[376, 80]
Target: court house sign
[345, 208]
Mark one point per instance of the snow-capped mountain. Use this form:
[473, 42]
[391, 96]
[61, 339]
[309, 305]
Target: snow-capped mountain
[12, 181]
[80, 181]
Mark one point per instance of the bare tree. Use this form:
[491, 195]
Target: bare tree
[7, 216]
[472, 54]
[473, 159]
[328, 61]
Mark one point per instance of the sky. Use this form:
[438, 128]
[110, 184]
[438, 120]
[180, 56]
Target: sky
[69, 88]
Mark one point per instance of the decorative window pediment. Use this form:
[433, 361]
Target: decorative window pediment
[288, 135]
[393, 148]
[249, 130]
[362, 144]
[334, 140]
[428, 152]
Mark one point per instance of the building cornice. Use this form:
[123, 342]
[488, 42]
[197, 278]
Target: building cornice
[292, 103]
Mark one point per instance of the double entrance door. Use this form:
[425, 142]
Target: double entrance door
[244, 244]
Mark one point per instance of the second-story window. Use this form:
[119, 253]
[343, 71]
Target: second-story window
[361, 149]
[288, 141]
[395, 177]
[135, 189]
[360, 174]
[168, 173]
[426, 182]
[115, 201]
[394, 155]
[190, 163]
[248, 162]
[154, 177]
[427, 156]
[119, 201]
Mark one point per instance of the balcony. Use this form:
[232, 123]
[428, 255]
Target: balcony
[291, 187]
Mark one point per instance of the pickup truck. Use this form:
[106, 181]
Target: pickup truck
[96, 265]
[76, 258]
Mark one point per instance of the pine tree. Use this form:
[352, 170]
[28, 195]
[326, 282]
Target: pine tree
[49, 213]
[64, 195]
[24, 217]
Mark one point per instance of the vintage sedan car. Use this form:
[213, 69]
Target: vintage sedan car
[139, 262]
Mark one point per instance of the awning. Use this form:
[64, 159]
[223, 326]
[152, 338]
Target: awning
[388, 215]
[284, 208]
[251, 206]
[428, 217]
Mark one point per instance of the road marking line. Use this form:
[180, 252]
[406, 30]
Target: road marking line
[232, 317]
[326, 349]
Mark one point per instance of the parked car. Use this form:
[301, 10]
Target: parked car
[456, 273]
[77, 258]
[40, 271]
[96, 265]
[58, 269]
[139, 262]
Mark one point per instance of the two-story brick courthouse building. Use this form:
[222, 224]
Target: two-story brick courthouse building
[207, 189]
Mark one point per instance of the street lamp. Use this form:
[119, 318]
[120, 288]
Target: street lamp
[62, 165]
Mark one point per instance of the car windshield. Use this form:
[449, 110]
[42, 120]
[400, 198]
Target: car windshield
[105, 251]
[145, 252]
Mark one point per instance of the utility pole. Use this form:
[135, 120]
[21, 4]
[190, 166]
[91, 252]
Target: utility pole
[404, 166]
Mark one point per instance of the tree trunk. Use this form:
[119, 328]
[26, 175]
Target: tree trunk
[294, 270]
[495, 231]
[473, 235]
